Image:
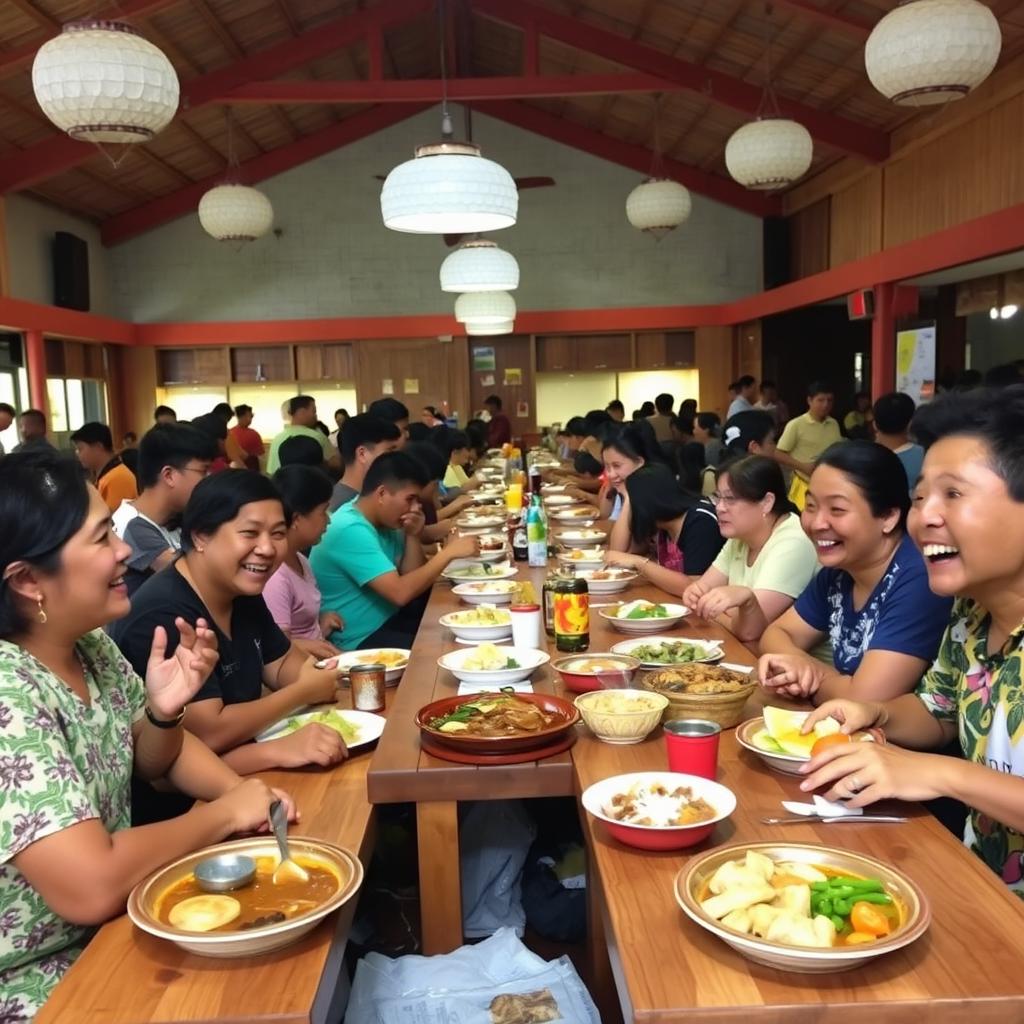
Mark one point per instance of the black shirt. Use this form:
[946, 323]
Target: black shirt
[255, 638]
[699, 540]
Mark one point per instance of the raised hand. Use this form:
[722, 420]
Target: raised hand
[172, 682]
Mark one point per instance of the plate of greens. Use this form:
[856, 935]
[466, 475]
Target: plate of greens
[644, 616]
[656, 651]
[356, 728]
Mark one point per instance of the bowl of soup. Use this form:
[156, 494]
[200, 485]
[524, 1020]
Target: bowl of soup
[257, 918]
[582, 673]
[802, 907]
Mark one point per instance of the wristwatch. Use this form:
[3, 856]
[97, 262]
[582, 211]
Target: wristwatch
[162, 723]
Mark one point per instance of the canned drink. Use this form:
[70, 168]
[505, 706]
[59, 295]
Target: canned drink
[572, 615]
[367, 687]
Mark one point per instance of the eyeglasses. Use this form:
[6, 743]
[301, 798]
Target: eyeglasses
[726, 500]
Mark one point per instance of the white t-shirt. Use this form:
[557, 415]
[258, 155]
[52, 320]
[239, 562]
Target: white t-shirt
[786, 564]
[123, 515]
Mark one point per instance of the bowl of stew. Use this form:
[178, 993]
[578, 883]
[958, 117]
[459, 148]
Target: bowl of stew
[257, 918]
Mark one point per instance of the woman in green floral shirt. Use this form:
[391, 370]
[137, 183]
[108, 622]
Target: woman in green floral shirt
[75, 722]
[968, 520]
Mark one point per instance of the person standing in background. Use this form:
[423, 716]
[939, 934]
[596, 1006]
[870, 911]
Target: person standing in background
[302, 413]
[233, 451]
[6, 419]
[893, 413]
[247, 439]
[771, 403]
[806, 437]
[94, 446]
[164, 414]
[616, 410]
[32, 427]
[859, 421]
[499, 428]
[661, 420]
[341, 417]
[744, 400]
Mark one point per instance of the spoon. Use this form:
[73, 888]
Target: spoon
[817, 819]
[287, 870]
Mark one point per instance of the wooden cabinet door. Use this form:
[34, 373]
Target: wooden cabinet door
[555, 353]
[74, 360]
[337, 362]
[651, 351]
[176, 365]
[262, 363]
[309, 363]
[95, 363]
[210, 366]
[680, 349]
[603, 352]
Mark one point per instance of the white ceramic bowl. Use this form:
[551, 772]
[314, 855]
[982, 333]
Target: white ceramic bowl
[465, 631]
[788, 764]
[593, 558]
[676, 612]
[558, 499]
[497, 571]
[529, 661]
[621, 727]
[653, 837]
[481, 522]
[486, 592]
[371, 656]
[552, 488]
[488, 497]
[493, 554]
[713, 651]
[691, 880]
[143, 899]
[585, 515]
[582, 538]
[618, 581]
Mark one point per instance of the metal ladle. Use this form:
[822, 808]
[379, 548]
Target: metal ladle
[287, 870]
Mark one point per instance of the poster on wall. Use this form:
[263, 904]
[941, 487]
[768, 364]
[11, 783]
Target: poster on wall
[513, 377]
[915, 363]
[483, 359]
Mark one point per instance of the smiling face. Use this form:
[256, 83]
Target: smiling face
[243, 553]
[969, 528]
[738, 517]
[618, 466]
[839, 520]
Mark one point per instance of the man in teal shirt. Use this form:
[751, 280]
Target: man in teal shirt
[302, 411]
[370, 566]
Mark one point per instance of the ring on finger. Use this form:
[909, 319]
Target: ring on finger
[854, 784]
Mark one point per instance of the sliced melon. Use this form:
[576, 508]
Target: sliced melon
[763, 741]
[784, 727]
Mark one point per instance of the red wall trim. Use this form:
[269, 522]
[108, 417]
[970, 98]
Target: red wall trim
[19, 315]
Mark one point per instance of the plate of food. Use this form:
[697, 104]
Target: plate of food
[467, 569]
[557, 499]
[497, 723]
[644, 616]
[394, 660]
[699, 690]
[491, 665]
[583, 558]
[552, 488]
[608, 580]
[658, 651]
[484, 622]
[479, 521]
[582, 673]
[492, 497]
[257, 918]
[486, 592]
[356, 728]
[585, 515]
[582, 538]
[493, 547]
[802, 907]
[776, 738]
[659, 810]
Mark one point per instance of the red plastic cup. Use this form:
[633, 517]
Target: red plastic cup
[692, 746]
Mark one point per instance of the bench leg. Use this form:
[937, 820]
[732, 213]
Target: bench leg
[437, 832]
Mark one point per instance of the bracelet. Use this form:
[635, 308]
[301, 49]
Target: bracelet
[162, 723]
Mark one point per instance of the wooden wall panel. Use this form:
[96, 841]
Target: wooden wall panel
[139, 366]
[716, 366]
[510, 352]
[956, 177]
[856, 220]
[748, 349]
[809, 231]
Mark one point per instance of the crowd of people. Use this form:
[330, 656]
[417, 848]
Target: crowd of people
[159, 611]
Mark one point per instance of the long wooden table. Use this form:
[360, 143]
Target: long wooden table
[663, 966]
[125, 976]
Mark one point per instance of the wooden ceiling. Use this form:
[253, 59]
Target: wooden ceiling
[302, 77]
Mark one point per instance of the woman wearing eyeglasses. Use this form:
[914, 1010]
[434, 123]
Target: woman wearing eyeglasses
[871, 598]
[767, 559]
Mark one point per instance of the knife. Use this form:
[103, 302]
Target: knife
[870, 818]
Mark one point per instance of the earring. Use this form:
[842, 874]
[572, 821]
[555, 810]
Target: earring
[200, 550]
[42, 612]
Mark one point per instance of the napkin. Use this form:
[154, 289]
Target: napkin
[822, 808]
[523, 687]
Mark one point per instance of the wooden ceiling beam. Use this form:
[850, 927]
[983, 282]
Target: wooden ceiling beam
[46, 159]
[266, 165]
[856, 29]
[850, 137]
[30, 10]
[638, 158]
[14, 60]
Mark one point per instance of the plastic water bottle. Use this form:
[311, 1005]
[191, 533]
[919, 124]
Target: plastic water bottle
[536, 534]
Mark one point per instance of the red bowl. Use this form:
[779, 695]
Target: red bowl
[587, 682]
[659, 839]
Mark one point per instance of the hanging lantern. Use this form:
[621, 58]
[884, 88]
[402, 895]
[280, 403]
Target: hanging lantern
[658, 206]
[479, 330]
[479, 266]
[449, 189]
[102, 82]
[769, 153]
[485, 307]
[932, 51]
[235, 213]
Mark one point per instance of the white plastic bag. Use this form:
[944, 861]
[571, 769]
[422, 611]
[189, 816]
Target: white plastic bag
[461, 987]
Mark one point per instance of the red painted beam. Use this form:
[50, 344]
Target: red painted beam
[186, 200]
[830, 19]
[12, 61]
[429, 90]
[53, 321]
[49, 158]
[637, 157]
[531, 49]
[847, 136]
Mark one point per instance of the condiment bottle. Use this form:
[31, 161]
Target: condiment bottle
[572, 615]
[526, 627]
[368, 682]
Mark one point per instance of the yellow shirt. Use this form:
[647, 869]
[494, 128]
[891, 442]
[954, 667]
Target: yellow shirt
[805, 438]
[117, 484]
[455, 476]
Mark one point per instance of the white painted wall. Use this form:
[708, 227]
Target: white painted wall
[31, 226]
[335, 257]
